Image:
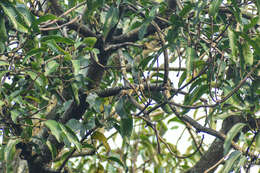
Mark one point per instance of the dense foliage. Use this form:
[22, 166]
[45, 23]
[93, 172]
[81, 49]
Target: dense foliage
[137, 86]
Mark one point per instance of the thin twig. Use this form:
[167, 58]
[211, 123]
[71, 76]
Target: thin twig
[60, 26]
[64, 14]
[214, 166]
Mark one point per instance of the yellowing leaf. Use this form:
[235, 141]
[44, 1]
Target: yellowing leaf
[101, 137]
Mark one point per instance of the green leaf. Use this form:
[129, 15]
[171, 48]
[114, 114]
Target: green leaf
[10, 151]
[241, 163]
[126, 126]
[198, 92]
[55, 47]
[197, 83]
[38, 78]
[2, 47]
[51, 67]
[146, 23]
[159, 98]
[25, 13]
[101, 137]
[186, 9]
[52, 148]
[46, 18]
[55, 129]
[33, 52]
[258, 6]
[254, 42]
[145, 61]
[90, 41]
[214, 7]
[15, 17]
[191, 55]
[111, 20]
[234, 100]
[14, 115]
[71, 136]
[76, 66]
[3, 32]
[3, 63]
[233, 43]
[1, 103]
[75, 90]
[143, 28]
[253, 23]
[58, 39]
[120, 108]
[235, 10]
[182, 78]
[257, 142]
[117, 160]
[231, 134]
[247, 54]
[91, 99]
[231, 161]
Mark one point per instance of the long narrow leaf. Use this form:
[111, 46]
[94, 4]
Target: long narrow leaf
[231, 134]
[55, 129]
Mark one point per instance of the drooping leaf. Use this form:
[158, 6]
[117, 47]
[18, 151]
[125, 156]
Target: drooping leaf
[3, 63]
[27, 17]
[198, 92]
[76, 66]
[101, 137]
[10, 149]
[253, 22]
[231, 161]
[111, 20]
[120, 108]
[14, 115]
[214, 7]
[90, 41]
[3, 31]
[159, 98]
[257, 142]
[33, 52]
[38, 78]
[75, 90]
[126, 126]
[14, 16]
[71, 136]
[52, 148]
[51, 67]
[234, 100]
[57, 38]
[126, 121]
[233, 44]
[45, 18]
[182, 78]
[55, 129]
[117, 160]
[55, 47]
[241, 163]
[186, 9]
[2, 47]
[191, 55]
[247, 54]
[231, 134]
[143, 28]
